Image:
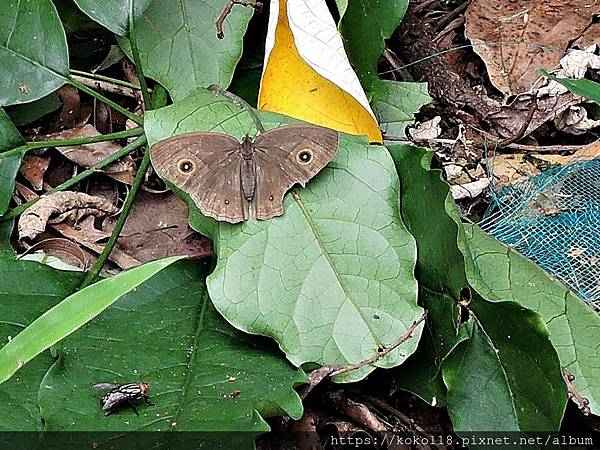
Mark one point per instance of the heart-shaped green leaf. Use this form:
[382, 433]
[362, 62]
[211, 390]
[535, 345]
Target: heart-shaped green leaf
[179, 47]
[33, 51]
[332, 279]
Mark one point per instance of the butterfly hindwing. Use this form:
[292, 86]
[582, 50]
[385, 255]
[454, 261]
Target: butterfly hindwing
[286, 156]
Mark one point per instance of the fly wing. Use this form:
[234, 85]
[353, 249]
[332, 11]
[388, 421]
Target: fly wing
[106, 386]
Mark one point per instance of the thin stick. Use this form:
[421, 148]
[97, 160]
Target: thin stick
[380, 354]
[106, 86]
[227, 10]
[82, 87]
[240, 102]
[83, 175]
[75, 141]
[137, 60]
[97, 76]
[137, 182]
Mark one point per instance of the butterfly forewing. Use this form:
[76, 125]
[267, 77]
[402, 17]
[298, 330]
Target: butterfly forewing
[207, 167]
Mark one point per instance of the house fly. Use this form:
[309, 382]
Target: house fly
[120, 395]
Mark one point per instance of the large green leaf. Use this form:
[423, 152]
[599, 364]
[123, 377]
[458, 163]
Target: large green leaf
[112, 14]
[461, 256]
[203, 374]
[502, 273]
[506, 376]
[179, 47]
[9, 135]
[332, 279]
[426, 209]
[365, 26]
[70, 314]
[9, 162]
[33, 51]
[433, 219]
[21, 301]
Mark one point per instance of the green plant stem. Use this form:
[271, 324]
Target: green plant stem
[83, 175]
[82, 87]
[97, 76]
[137, 60]
[137, 182]
[76, 141]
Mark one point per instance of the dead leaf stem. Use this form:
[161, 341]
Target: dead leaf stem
[381, 353]
[137, 182]
[137, 60]
[227, 10]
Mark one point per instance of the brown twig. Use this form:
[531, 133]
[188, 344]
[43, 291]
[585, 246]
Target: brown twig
[524, 125]
[582, 402]
[227, 10]
[384, 351]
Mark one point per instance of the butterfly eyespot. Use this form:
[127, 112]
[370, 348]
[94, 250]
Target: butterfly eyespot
[226, 202]
[185, 166]
[270, 198]
[305, 156]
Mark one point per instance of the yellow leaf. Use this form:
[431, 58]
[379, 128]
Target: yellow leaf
[307, 74]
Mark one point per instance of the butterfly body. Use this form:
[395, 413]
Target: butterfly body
[248, 169]
[228, 179]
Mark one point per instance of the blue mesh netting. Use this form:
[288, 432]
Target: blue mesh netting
[554, 219]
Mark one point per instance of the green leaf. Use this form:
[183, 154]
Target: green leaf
[21, 301]
[203, 374]
[9, 162]
[9, 135]
[426, 209]
[30, 112]
[112, 14]
[179, 47]
[586, 88]
[460, 256]
[365, 26]
[6, 227]
[33, 51]
[332, 279]
[511, 365]
[70, 314]
[499, 272]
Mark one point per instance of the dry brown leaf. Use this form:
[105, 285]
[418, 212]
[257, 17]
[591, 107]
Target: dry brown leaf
[63, 249]
[61, 206]
[88, 155]
[157, 227]
[33, 169]
[510, 169]
[516, 37]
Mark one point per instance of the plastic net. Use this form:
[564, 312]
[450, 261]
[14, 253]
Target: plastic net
[554, 219]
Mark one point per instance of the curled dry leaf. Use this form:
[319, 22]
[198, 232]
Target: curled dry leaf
[61, 206]
[516, 38]
[88, 155]
[469, 190]
[63, 249]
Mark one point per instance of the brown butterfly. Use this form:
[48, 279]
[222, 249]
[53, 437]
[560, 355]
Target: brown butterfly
[227, 179]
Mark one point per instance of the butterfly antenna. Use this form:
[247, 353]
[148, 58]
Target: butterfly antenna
[240, 102]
